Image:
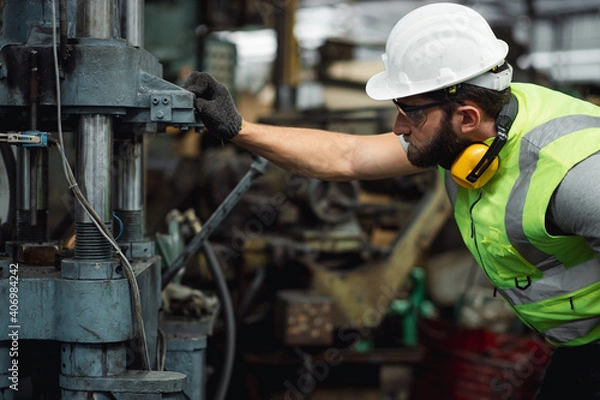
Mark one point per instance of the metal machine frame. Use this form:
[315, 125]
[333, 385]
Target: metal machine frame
[98, 304]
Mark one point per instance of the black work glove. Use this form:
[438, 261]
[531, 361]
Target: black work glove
[214, 105]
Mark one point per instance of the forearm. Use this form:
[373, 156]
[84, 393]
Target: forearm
[326, 155]
[307, 152]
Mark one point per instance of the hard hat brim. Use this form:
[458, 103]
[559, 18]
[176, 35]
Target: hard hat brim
[377, 88]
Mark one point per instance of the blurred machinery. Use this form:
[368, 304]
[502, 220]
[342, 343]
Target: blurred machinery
[104, 310]
[311, 266]
[318, 272]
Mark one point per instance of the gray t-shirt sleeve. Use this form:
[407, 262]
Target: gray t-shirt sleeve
[575, 206]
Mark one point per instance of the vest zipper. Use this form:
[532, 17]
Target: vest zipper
[473, 221]
[473, 236]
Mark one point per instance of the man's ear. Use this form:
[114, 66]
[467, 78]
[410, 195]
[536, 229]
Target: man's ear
[470, 118]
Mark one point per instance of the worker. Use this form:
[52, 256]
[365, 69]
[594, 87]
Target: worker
[519, 161]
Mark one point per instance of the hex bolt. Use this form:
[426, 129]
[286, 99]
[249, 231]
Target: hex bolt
[159, 114]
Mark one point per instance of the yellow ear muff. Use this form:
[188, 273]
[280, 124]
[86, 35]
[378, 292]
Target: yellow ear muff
[478, 163]
[466, 162]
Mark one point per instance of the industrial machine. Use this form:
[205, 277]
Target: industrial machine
[80, 314]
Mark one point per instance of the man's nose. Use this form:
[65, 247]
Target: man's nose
[401, 125]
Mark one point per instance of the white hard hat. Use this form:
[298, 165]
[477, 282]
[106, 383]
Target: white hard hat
[437, 46]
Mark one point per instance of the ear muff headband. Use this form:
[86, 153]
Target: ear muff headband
[473, 170]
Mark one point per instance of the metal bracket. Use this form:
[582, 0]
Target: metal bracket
[26, 139]
[161, 108]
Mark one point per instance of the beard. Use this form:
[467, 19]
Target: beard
[442, 149]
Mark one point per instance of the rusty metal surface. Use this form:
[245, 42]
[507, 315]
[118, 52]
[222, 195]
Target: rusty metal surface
[303, 318]
[37, 254]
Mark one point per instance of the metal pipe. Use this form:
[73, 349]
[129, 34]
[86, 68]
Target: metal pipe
[36, 164]
[129, 150]
[132, 22]
[95, 18]
[130, 190]
[94, 151]
[129, 168]
[23, 174]
[65, 50]
[34, 83]
[32, 172]
[38, 183]
[32, 215]
[24, 231]
[286, 69]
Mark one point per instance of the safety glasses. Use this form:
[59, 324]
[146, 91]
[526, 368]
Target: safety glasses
[416, 114]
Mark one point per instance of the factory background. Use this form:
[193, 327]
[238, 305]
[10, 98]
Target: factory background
[235, 279]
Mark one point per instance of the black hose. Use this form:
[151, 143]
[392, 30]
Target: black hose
[251, 294]
[228, 316]
[10, 165]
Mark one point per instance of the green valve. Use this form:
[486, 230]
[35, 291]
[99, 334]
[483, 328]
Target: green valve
[413, 307]
[363, 346]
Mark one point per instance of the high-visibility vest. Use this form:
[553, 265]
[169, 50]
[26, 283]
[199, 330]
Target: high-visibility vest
[551, 281]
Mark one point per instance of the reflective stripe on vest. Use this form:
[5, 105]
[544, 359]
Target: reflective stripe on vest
[557, 281]
[561, 281]
[535, 140]
[570, 330]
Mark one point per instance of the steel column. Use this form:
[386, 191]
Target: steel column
[94, 156]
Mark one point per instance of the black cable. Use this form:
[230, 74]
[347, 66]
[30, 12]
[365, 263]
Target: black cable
[10, 165]
[251, 294]
[228, 316]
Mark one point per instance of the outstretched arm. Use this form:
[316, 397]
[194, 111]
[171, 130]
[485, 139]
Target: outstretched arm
[327, 155]
[308, 152]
